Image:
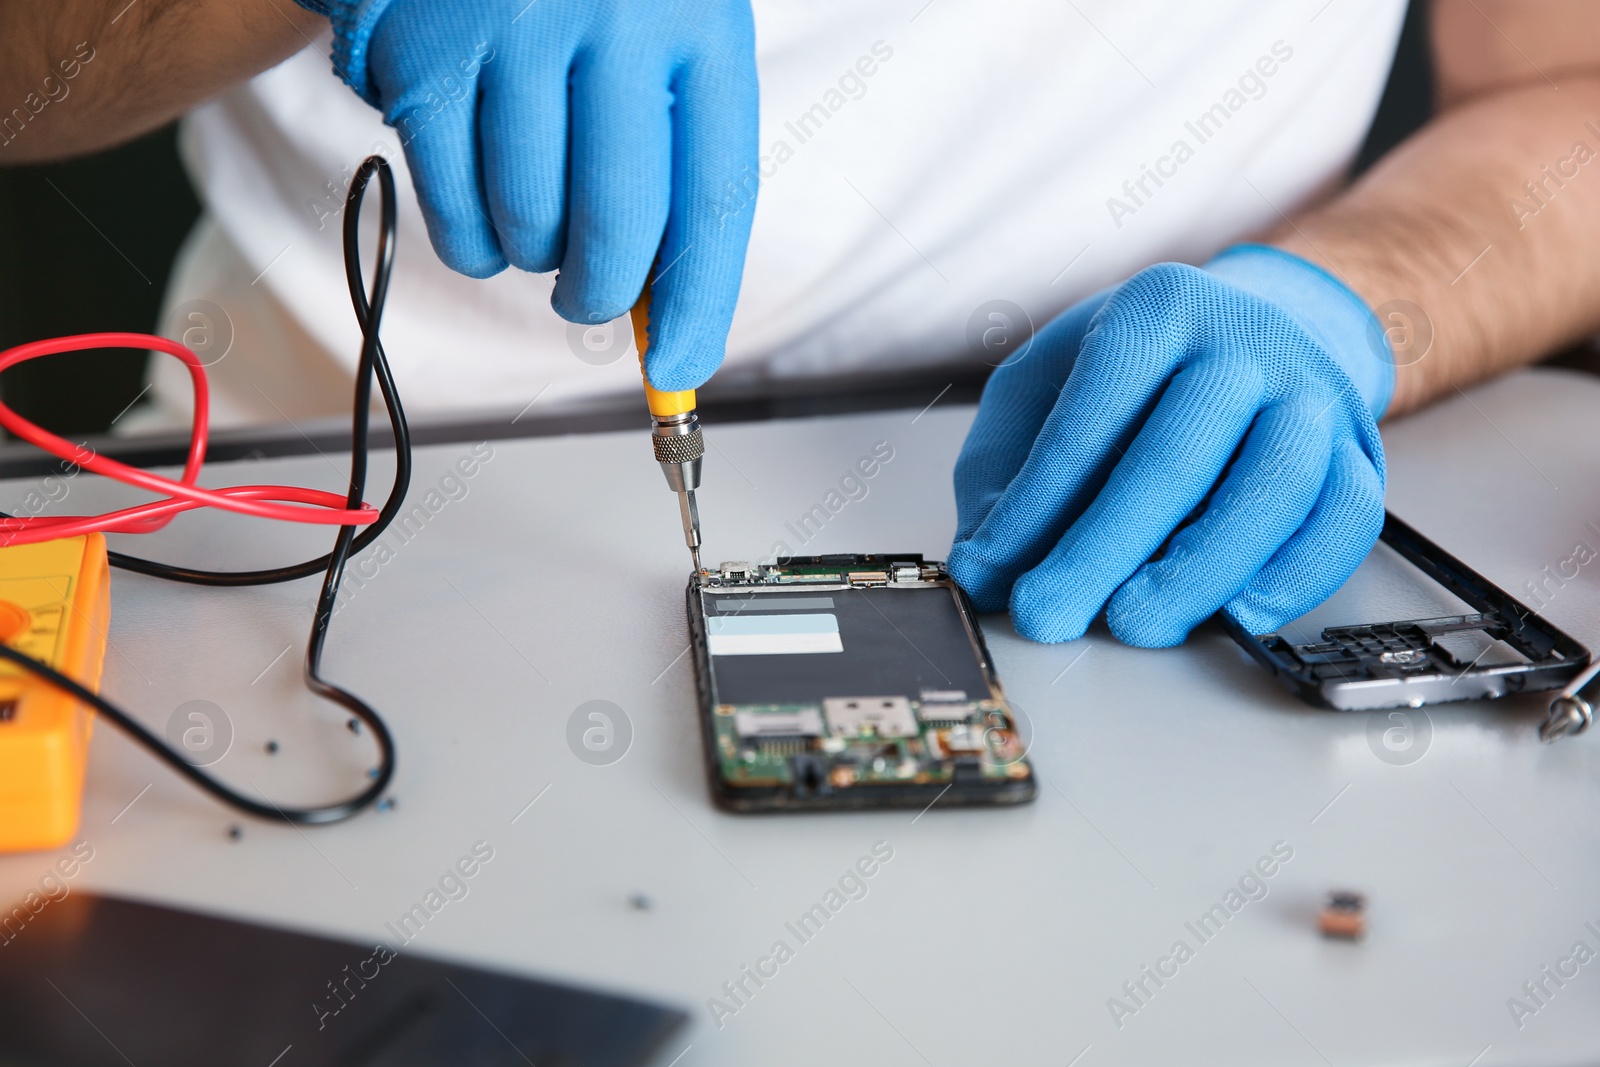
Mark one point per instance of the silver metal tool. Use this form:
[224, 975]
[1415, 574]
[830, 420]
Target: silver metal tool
[1571, 713]
[675, 434]
[679, 448]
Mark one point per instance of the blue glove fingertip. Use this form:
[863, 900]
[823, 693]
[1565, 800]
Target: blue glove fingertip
[984, 585]
[1044, 624]
[1043, 608]
[1255, 617]
[692, 302]
[671, 373]
[1142, 613]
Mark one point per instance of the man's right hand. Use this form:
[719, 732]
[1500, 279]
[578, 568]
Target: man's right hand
[584, 135]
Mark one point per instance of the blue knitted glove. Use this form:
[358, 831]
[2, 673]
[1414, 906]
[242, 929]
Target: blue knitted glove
[1231, 409]
[580, 134]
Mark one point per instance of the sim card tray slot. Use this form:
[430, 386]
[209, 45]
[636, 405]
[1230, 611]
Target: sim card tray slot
[1411, 663]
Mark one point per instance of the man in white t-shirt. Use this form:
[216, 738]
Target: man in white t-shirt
[1173, 440]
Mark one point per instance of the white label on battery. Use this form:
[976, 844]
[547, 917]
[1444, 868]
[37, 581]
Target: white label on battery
[773, 635]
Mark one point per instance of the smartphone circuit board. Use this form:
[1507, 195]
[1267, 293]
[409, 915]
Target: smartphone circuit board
[849, 682]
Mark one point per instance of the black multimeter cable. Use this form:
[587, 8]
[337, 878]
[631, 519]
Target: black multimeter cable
[368, 316]
[373, 363]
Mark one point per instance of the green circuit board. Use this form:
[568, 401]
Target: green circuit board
[980, 735]
[850, 682]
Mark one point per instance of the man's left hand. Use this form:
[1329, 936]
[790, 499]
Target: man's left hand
[1187, 441]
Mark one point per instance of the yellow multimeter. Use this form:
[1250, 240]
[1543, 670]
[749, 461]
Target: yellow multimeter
[55, 605]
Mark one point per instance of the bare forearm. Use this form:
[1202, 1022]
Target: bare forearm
[80, 75]
[1484, 221]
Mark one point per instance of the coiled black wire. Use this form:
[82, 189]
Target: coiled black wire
[374, 363]
[368, 315]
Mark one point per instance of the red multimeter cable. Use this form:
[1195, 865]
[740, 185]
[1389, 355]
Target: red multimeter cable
[183, 494]
[286, 503]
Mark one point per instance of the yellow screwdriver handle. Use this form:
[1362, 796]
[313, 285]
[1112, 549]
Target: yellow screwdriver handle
[661, 404]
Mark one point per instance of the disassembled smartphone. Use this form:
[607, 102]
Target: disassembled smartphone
[847, 682]
[1500, 647]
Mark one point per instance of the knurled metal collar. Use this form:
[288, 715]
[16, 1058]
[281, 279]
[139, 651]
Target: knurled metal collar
[679, 448]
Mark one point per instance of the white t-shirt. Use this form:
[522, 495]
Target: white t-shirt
[1022, 150]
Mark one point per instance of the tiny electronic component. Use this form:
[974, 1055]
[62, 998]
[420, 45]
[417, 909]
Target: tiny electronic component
[1344, 915]
[847, 682]
[869, 717]
[765, 723]
[1499, 647]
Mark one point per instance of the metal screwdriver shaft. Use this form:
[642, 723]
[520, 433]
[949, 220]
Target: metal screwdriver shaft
[675, 435]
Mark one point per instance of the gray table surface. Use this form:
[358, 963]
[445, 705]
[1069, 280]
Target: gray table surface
[990, 936]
